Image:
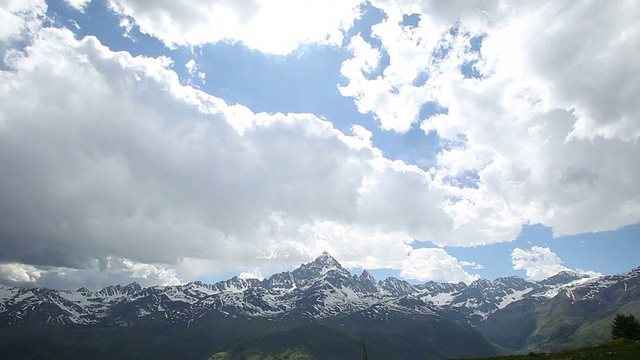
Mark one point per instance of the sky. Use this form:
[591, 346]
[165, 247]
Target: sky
[166, 142]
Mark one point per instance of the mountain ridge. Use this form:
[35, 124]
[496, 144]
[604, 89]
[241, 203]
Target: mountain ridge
[324, 277]
[322, 291]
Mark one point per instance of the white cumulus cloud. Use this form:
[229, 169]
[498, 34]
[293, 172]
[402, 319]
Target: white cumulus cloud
[79, 5]
[543, 130]
[19, 18]
[539, 262]
[107, 158]
[193, 69]
[435, 264]
[113, 170]
[20, 274]
[270, 26]
[255, 274]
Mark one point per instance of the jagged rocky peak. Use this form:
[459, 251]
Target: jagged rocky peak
[434, 287]
[512, 282]
[282, 280]
[326, 259]
[121, 290]
[319, 267]
[236, 284]
[563, 277]
[367, 276]
[323, 263]
[132, 288]
[367, 283]
[306, 273]
[481, 284]
[397, 287]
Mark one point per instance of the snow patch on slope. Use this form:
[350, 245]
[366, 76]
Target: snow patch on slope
[513, 297]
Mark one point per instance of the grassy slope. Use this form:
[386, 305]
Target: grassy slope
[618, 349]
[577, 327]
[558, 325]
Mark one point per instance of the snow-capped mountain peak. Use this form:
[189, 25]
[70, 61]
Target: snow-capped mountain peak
[319, 289]
[563, 277]
[318, 268]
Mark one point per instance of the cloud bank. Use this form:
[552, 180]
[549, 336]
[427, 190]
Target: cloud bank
[539, 117]
[108, 159]
[112, 167]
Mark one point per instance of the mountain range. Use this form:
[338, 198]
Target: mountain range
[319, 308]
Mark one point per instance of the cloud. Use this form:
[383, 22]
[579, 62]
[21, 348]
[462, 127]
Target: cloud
[108, 159]
[18, 19]
[193, 69]
[393, 98]
[539, 262]
[255, 274]
[542, 129]
[100, 273]
[20, 274]
[472, 264]
[79, 5]
[270, 26]
[435, 264]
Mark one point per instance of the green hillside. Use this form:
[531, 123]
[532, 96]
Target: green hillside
[560, 324]
[617, 349]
